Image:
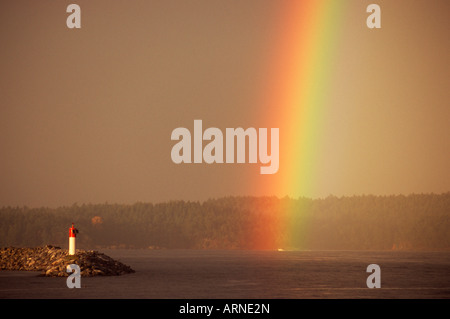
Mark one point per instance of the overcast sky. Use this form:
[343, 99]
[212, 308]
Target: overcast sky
[86, 115]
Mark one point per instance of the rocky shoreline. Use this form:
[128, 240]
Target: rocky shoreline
[53, 261]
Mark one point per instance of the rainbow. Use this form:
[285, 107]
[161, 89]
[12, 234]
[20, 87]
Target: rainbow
[300, 76]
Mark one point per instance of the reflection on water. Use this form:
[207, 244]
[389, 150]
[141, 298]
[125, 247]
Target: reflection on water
[250, 274]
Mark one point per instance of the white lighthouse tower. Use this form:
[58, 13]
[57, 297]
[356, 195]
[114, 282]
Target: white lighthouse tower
[72, 235]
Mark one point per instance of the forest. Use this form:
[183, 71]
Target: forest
[366, 222]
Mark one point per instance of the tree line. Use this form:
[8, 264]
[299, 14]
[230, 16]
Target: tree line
[417, 221]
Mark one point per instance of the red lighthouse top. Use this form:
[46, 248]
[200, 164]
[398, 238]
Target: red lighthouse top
[73, 231]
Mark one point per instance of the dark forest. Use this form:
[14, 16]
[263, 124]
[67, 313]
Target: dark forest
[413, 222]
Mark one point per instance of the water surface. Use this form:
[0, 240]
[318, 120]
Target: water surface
[206, 274]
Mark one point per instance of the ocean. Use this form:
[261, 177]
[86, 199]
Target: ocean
[237, 274]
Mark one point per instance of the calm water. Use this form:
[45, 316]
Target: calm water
[199, 274]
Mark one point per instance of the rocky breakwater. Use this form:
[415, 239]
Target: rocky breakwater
[53, 261]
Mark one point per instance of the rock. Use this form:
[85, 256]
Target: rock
[98, 272]
[53, 261]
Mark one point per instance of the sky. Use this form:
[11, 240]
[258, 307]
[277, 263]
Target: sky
[86, 115]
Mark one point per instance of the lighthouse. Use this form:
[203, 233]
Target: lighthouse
[72, 235]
